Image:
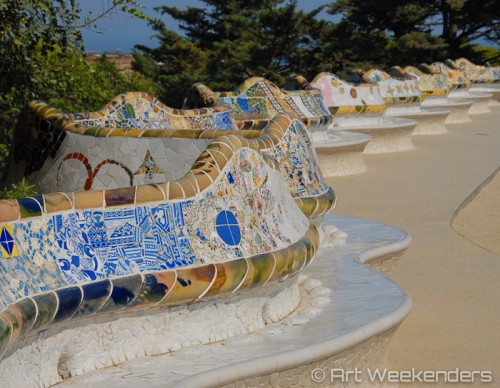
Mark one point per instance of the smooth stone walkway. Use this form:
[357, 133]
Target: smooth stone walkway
[478, 218]
[453, 283]
[363, 303]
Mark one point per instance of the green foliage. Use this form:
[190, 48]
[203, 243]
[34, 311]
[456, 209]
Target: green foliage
[21, 190]
[67, 81]
[488, 54]
[41, 57]
[227, 42]
[416, 30]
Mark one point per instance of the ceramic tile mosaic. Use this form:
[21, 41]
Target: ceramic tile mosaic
[344, 98]
[477, 74]
[258, 100]
[165, 252]
[233, 204]
[396, 91]
[431, 85]
[298, 162]
[50, 149]
[85, 162]
[144, 112]
[457, 78]
[87, 245]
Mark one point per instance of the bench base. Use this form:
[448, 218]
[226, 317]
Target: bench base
[342, 154]
[491, 89]
[389, 134]
[481, 100]
[430, 121]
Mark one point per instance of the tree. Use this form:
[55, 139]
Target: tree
[419, 30]
[390, 32]
[227, 42]
[40, 42]
[464, 21]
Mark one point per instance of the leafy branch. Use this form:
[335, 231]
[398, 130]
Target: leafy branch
[110, 8]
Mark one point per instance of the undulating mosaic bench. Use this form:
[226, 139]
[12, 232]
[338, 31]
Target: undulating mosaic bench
[484, 79]
[436, 89]
[122, 146]
[258, 100]
[228, 226]
[134, 139]
[477, 74]
[360, 107]
[403, 96]
[460, 87]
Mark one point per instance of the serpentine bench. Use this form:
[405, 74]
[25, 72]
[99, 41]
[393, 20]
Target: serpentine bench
[357, 124]
[403, 96]
[477, 74]
[460, 87]
[484, 79]
[122, 146]
[258, 100]
[115, 257]
[345, 321]
[436, 90]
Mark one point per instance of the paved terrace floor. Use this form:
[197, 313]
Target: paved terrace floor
[454, 284]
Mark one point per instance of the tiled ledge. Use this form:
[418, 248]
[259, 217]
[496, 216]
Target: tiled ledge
[364, 309]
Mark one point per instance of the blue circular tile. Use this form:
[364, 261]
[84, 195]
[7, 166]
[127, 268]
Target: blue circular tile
[228, 228]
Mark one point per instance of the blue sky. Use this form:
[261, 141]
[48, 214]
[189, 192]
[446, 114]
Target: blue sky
[121, 33]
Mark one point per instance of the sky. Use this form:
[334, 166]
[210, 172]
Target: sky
[121, 33]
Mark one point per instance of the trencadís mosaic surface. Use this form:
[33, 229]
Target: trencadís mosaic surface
[456, 78]
[86, 159]
[344, 98]
[228, 225]
[258, 100]
[431, 85]
[137, 110]
[401, 90]
[477, 74]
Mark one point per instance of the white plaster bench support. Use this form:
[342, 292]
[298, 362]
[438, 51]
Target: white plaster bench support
[430, 121]
[388, 134]
[342, 154]
[459, 108]
[481, 100]
[493, 89]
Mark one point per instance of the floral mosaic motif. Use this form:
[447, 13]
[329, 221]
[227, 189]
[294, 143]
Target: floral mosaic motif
[258, 100]
[148, 167]
[395, 90]
[343, 98]
[432, 85]
[477, 74]
[92, 172]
